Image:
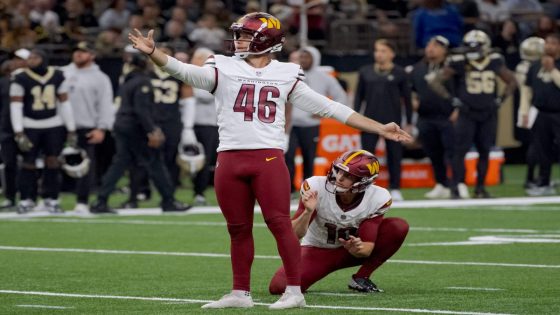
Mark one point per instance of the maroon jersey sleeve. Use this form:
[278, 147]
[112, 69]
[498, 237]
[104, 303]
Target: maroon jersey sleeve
[368, 229]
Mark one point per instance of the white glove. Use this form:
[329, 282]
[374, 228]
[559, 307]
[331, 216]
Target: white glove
[286, 143]
[188, 136]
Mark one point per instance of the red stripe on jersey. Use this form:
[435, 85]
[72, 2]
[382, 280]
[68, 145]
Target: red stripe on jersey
[216, 83]
[293, 87]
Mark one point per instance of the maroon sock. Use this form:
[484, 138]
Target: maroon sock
[390, 237]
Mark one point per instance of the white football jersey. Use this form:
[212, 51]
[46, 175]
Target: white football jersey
[251, 102]
[331, 222]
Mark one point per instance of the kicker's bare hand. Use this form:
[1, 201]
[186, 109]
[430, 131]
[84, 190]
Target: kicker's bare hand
[143, 43]
[392, 131]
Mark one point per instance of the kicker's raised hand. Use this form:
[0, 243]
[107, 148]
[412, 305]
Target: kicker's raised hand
[145, 44]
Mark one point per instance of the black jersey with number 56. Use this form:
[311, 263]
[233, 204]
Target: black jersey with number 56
[476, 81]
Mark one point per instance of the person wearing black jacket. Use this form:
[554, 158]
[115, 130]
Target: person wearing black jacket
[383, 90]
[434, 124]
[543, 91]
[8, 145]
[137, 138]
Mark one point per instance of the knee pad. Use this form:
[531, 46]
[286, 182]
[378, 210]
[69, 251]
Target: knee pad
[240, 231]
[52, 162]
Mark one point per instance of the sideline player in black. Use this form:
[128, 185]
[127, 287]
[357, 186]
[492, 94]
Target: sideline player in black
[137, 138]
[382, 91]
[434, 124]
[169, 95]
[8, 147]
[543, 91]
[39, 110]
[477, 101]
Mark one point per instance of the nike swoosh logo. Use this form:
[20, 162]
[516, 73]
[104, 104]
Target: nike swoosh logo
[270, 159]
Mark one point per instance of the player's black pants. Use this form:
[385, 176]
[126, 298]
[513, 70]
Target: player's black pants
[547, 140]
[9, 159]
[208, 137]
[139, 175]
[132, 147]
[437, 136]
[480, 130]
[84, 184]
[306, 139]
[48, 143]
[394, 152]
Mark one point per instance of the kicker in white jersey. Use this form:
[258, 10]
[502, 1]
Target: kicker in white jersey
[331, 222]
[251, 102]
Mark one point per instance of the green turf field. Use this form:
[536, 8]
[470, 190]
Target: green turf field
[172, 264]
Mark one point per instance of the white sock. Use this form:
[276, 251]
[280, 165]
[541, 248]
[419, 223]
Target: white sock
[294, 289]
[241, 293]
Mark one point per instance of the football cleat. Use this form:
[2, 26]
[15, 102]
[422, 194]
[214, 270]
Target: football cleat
[101, 207]
[481, 193]
[231, 300]
[175, 206]
[463, 191]
[363, 285]
[439, 192]
[288, 300]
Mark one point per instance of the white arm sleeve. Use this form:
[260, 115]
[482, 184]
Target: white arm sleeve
[195, 76]
[188, 110]
[308, 100]
[65, 111]
[16, 115]
[16, 108]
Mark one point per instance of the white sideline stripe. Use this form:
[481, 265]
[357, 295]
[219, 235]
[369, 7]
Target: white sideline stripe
[261, 225]
[336, 294]
[213, 255]
[95, 296]
[474, 289]
[517, 203]
[45, 306]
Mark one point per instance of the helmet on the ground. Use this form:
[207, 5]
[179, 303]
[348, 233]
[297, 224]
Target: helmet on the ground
[191, 157]
[361, 164]
[265, 30]
[532, 48]
[75, 162]
[477, 44]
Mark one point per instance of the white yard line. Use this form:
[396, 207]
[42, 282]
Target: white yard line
[496, 204]
[259, 225]
[45, 306]
[194, 301]
[338, 294]
[214, 255]
[474, 289]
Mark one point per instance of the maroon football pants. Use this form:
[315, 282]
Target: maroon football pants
[242, 177]
[317, 263]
